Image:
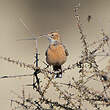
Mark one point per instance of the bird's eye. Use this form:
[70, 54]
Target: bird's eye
[52, 35]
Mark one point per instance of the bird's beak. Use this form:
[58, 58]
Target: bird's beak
[49, 34]
[46, 35]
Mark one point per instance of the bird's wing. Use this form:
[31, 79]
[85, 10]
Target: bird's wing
[46, 52]
[66, 51]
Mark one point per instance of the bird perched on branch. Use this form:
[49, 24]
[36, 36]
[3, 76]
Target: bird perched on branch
[56, 53]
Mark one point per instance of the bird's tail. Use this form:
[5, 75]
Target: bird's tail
[58, 68]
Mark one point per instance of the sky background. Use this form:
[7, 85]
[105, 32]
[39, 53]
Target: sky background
[43, 16]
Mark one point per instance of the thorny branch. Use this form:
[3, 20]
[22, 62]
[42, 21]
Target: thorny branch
[74, 93]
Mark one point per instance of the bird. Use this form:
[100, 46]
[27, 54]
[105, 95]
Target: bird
[56, 53]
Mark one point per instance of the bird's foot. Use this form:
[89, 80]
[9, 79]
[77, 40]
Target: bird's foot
[58, 75]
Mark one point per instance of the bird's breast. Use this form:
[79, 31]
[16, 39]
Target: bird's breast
[56, 55]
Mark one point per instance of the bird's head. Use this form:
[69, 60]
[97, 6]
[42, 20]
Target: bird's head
[54, 36]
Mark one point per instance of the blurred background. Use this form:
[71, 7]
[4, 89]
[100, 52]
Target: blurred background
[43, 16]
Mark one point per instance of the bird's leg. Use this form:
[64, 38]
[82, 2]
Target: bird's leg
[58, 73]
